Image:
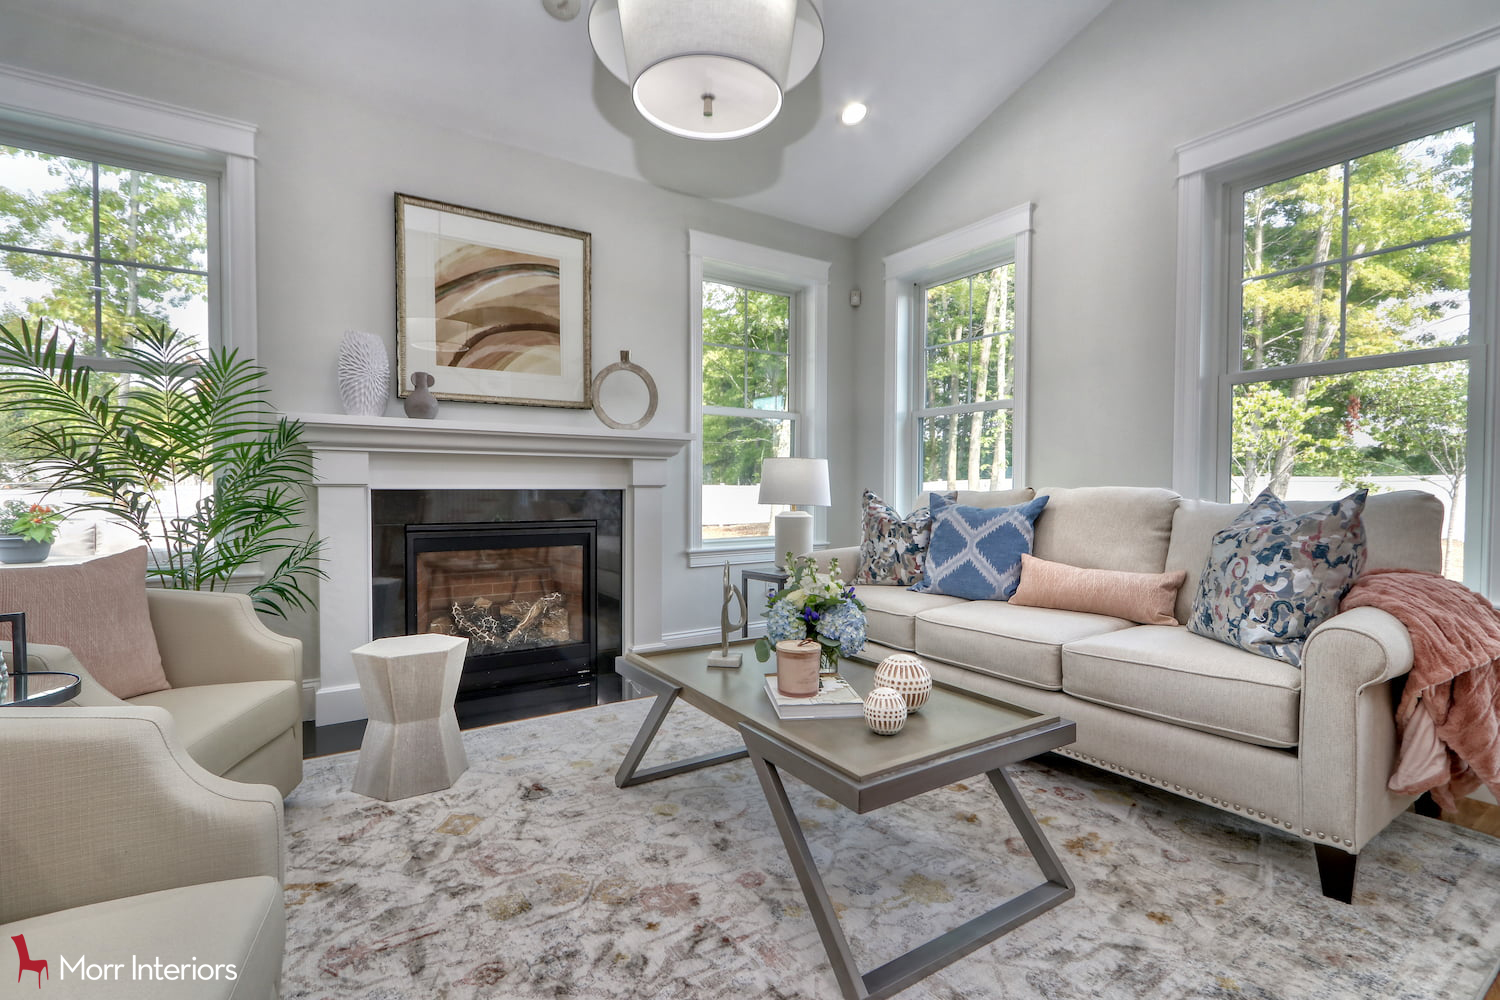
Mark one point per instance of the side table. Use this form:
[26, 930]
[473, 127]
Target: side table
[763, 574]
[411, 743]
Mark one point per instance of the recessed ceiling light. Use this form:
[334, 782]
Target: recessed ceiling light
[853, 113]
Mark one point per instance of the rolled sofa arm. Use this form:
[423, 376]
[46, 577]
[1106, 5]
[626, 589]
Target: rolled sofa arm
[1348, 726]
[216, 638]
[848, 558]
[104, 803]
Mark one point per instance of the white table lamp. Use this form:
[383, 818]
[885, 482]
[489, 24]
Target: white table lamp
[801, 482]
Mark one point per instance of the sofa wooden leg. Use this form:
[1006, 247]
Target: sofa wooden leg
[1336, 870]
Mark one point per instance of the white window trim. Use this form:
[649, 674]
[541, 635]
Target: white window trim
[1465, 70]
[806, 280]
[54, 106]
[990, 242]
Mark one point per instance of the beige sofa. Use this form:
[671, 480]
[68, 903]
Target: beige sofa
[119, 849]
[236, 694]
[1305, 751]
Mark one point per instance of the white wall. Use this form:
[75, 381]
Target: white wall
[326, 177]
[1090, 140]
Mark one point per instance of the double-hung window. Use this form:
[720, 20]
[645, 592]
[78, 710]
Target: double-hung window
[759, 322]
[101, 247]
[1352, 362]
[967, 382]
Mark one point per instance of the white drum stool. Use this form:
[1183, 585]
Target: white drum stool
[411, 743]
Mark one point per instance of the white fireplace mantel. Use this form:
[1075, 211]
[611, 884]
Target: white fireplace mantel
[354, 455]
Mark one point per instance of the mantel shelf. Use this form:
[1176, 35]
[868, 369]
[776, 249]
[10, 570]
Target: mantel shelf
[339, 432]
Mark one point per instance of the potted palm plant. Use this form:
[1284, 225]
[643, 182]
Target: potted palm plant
[182, 416]
[27, 531]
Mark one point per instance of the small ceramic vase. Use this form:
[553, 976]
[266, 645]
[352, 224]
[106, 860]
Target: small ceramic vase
[421, 404]
[885, 711]
[906, 674]
[797, 668]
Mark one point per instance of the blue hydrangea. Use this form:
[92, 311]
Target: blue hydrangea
[784, 621]
[844, 624]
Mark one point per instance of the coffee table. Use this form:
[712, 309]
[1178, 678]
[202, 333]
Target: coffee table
[955, 736]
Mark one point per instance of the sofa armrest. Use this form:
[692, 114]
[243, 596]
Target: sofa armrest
[848, 558]
[104, 803]
[216, 638]
[1348, 741]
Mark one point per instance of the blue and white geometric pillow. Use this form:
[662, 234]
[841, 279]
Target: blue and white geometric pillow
[976, 552]
[1273, 576]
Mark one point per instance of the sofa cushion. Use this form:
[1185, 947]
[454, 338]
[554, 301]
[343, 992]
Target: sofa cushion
[890, 613]
[239, 922]
[1403, 530]
[222, 724]
[1147, 598]
[95, 606]
[1273, 576]
[1168, 673]
[976, 552]
[1018, 643]
[1106, 527]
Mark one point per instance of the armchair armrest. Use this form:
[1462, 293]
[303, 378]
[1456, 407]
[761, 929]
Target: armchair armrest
[1348, 725]
[848, 558]
[104, 803]
[216, 638]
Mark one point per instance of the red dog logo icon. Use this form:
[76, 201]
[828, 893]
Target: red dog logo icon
[29, 964]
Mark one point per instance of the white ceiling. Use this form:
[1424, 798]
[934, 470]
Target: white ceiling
[930, 71]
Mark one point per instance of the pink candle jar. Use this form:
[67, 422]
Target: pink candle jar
[797, 667]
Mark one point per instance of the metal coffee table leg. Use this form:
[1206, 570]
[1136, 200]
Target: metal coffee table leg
[923, 960]
[630, 772]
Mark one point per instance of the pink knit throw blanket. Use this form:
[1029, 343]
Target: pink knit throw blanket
[1448, 722]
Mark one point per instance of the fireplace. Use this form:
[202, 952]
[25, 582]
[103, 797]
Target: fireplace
[523, 594]
[532, 578]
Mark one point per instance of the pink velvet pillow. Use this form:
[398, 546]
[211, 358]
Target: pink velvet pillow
[97, 608]
[1147, 598]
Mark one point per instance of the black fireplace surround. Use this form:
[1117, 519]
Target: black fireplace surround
[540, 541]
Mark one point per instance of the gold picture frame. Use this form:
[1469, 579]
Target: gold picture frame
[495, 308]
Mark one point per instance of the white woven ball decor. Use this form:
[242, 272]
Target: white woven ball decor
[885, 711]
[364, 374]
[908, 675]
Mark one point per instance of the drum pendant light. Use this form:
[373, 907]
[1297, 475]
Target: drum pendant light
[708, 69]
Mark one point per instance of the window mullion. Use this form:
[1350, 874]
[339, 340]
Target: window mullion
[97, 269]
[1347, 268]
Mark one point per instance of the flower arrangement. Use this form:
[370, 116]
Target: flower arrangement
[815, 607]
[31, 521]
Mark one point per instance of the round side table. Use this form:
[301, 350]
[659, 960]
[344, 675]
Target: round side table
[37, 688]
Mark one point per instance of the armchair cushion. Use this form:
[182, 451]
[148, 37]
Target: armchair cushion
[97, 608]
[222, 724]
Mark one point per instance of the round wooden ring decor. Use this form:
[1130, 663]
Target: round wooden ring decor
[626, 365]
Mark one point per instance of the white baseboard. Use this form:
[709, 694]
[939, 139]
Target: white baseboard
[339, 704]
[309, 699]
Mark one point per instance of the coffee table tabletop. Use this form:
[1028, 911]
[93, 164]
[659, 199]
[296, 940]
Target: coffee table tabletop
[949, 723]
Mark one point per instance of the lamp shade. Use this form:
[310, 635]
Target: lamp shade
[707, 69]
[801, 482]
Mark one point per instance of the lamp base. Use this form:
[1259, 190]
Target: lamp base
[794, 534]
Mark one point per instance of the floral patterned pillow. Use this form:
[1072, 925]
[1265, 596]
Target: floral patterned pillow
[1273, 575]
[892, 548]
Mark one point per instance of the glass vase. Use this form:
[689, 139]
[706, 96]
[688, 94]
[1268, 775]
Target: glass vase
[829, 661]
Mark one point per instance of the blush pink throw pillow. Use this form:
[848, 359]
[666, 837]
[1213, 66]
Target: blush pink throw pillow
[97, 608]
[1147, 598]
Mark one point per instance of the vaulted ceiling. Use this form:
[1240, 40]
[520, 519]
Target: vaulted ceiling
[929, 70]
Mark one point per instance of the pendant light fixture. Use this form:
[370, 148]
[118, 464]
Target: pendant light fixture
[708, 69]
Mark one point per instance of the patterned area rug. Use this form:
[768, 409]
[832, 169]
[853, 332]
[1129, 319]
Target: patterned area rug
[535, 877]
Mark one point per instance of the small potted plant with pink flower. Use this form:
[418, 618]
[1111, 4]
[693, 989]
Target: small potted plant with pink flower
[27, 531]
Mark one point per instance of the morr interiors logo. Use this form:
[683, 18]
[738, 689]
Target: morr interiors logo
[136, 969]
[29, 964]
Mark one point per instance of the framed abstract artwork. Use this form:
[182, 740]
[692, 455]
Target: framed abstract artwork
[494, 308]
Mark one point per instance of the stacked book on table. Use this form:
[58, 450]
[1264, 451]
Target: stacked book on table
[835, 700]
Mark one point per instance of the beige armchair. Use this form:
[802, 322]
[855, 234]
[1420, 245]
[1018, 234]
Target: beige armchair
[122, 851]
[236, 694]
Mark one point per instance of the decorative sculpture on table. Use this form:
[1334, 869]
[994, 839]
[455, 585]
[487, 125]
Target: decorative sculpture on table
[724, 658]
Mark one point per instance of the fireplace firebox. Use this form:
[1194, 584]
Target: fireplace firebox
[523, 594]
[532, 578]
